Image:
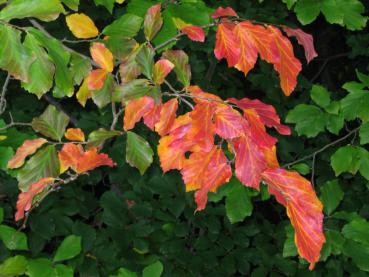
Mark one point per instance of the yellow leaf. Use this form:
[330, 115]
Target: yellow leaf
[180, 24]
[81, 26]
[2, 137]
[119, 1]
[83, 93]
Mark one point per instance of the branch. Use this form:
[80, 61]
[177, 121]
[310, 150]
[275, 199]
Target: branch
[3, 92]
[116, 115]
[13, 124]
[312, 155]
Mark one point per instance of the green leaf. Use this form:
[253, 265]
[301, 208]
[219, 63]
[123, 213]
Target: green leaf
[307, 10]
[40, 268]
[127, 25]
[14, 57]
[289, 246]
[68, 249]
[97, 138]
[138, 152]
[363, 78]
[357, 230]
[181, 65]
[139, 7]
[238, 204]
[331, 196]
[145, 59]
[335, 123]
[123, 272]
[356, 103]
[72, 4]
[1, 215]
[41, 72]
[108, 4]
[289, 3]
[45, 163]
[13, 239]
[46, 10]
[153, 270]
[60, 57]
[358, 252]
[364, 133]
[320, 96]
[132, 90]
[333, 245]
[302, 168]
[52, 123]
[310, 120]
[103, 96]
[13, 266]
[61, 270]
[79, 68]
[6, 153]
[346, 159]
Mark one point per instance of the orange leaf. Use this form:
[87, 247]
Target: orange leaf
[96, 78]
[227, 45]
[201, 96]
[81, 26]
[69, 156]
[153, 116]
[75, 134]
[250, 161]
[161, 70]
[229, 123]
[304, 39]
[28, 148]
[135, 110]
[167, 117]
[271, 157]
[102, 56]
[194, 33]
[303, 208]
[221, 12]
[288, 66]
[205, 171]
[25, 199]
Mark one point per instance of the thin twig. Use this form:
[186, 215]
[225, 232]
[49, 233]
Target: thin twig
[116, 115]
[3, 92]
[13, 124]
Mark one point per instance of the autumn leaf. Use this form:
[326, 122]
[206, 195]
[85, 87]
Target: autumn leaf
[81, 26]
[25, 199]
[135, 110]
[28, 148]
[161, 70]
[69, 156]
[305, 40]
[153, 116]
[229, 123]
[201, 96]
[102, 56]
[74, 134]
[222, 12]
[83, 93]
[194, 33]
[303, 208]
[95, 80]
[226, 45]
[153, 21]
[167, 117]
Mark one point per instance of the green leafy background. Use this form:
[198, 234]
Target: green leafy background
[116, 222]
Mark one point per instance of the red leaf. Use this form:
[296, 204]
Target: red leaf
[69, 156]
[205, 171]
[200, 96]
[250, 161]
[96, 79]
[288, 66]
[75, 134]
[135, 110]
[153, 116]
[102, 56]
[161, 70]
[221, 12]
[25, 199]
[227, 45]
[229, 123]
[167, 117]
[194, 33]
[28, 148]
[303, 208]
[304, 39]
[266, 113]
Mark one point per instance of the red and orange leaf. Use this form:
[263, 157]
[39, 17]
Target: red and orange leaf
[96, 78]
[153, 116]
[305, 40]
[167, 117]
[200, 96]
[227, 45]
[91, 160]
[69, 156]
[222, 12]
[203, 128]
[28, 148]
[270, 155]
[266, 113]
[250, 161]
[25, 199]
[194, 33]
[102, 56]
[75, 134]
[229, 123]
[161, 70]
[135, 110]
[153, 21]
[303, 208]
[288, 66]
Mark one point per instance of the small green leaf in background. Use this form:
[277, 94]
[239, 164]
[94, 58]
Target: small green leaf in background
[238, 204]
[346, 159]
[356, 103]
[123, 272]
[320, 96]
[358, 252]
[289, 247]
[1, 215]
[40, 268]
[127, 25]
[68, 249]
[132, 90]
[108, 4]
[331, 196]
[357, 230]
[13, 266]
[13, 239]
[302, 168]
[153, 270]
[72, 4]
[97, 138]
[364, 133]
[138, 152]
